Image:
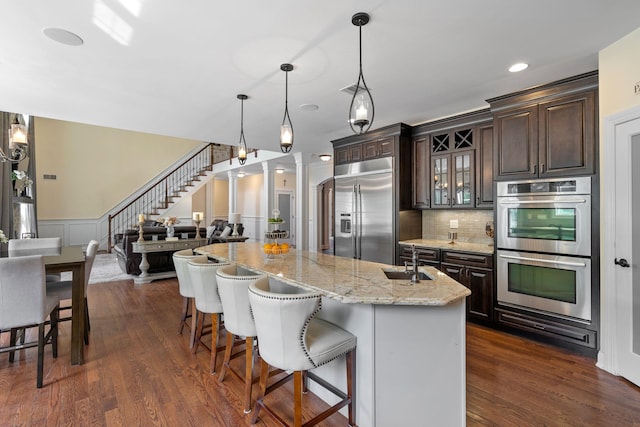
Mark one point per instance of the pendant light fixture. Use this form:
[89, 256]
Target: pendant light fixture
[286, 129]
[18, 142]
[242, 145]
[361, 111]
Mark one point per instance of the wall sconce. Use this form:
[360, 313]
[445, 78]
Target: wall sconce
[286, 129]
[17, 143]
[325, 157]
[242, 145]
[361, 110]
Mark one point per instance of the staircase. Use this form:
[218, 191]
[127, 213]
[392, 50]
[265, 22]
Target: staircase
[167, 189]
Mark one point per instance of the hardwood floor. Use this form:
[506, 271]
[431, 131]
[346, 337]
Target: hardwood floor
[140, 372]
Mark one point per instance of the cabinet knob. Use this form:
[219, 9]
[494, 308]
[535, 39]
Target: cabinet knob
[535, 169]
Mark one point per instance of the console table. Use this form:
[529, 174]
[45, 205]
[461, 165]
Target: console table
[149, 246]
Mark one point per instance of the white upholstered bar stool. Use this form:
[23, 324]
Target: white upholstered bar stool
[233, 286]
[180, 261]
[207, 300]
[291, 338]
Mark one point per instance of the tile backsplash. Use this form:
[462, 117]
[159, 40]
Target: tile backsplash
[471, 224]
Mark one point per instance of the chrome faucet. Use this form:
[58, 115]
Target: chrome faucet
[414, 265]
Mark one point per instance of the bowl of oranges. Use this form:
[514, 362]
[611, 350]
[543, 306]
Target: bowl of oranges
[271, 249]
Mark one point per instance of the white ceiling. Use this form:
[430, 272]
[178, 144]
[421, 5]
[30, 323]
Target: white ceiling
[174, 68]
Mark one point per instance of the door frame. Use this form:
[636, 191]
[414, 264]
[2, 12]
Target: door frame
[608, 356]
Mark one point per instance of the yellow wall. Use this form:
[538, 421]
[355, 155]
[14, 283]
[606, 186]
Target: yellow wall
[220, 207]
[96, 167]
[619, 71]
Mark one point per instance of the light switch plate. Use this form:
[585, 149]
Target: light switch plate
[453, 223]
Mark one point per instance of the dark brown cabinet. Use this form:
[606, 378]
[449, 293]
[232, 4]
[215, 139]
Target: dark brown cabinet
[447, 155]
[475, 271]
[549, 131]
[426, 256]
[348, 154]
[378, 148]
[453, 184]
[484, 166]
[421, 176]
[368, 150]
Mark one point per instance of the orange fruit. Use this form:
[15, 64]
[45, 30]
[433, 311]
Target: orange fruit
[284, 245]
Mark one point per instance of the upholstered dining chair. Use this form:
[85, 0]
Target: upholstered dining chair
[291, 338]
[36, 246]
[63, 290]
[24, 303]
[207, 299]
[180, 261]
[233, 287]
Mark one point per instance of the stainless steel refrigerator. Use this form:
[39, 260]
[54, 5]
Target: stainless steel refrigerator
[364, 217]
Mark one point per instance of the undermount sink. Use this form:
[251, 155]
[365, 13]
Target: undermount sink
[404, 275]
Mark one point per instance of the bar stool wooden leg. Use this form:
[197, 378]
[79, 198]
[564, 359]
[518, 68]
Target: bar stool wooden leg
[227, 356]
[297, 398]
[184, 315]
[262, 390]
[215, 328]
[199, 325]
[248, 374]
[194, 323]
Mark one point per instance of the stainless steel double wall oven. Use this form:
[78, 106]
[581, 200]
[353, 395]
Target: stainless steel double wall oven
[543, 239]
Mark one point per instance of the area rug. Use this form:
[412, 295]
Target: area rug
[105, 269]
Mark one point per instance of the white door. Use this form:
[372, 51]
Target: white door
[627, 249]
[285, 206]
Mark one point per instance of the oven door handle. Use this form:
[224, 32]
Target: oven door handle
[572, 264]
[536, 202]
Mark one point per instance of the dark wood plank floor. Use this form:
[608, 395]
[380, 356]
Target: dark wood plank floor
[139, 372]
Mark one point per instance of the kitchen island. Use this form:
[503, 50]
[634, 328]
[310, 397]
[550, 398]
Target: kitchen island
[411, 337]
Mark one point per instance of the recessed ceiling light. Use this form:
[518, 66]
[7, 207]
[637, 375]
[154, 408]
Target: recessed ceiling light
[63, 36]
[309, 107]
[518, 67]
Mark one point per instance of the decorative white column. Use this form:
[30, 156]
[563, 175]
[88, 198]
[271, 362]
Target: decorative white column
[268, 196]
[209, 197]
[233, 192]
[302, 200]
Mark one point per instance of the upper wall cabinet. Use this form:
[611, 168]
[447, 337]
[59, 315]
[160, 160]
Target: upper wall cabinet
[548, 131]
[451, 167]
[356, 152]
[389, 141]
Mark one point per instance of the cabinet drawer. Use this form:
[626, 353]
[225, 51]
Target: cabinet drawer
[424, 254]
[465, 258]
[183, 245]
[567, 333]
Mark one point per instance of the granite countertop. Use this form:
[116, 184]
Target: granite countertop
[344, 279]
[480, 248]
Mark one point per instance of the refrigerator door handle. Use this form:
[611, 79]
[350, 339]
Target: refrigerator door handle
[359, 207]
[354, 225]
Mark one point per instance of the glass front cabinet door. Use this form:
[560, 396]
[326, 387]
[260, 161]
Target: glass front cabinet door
[453, 180]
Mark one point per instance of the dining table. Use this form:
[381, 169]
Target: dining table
[71, 259]
[68, 259]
